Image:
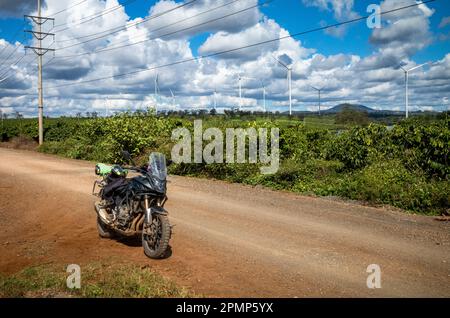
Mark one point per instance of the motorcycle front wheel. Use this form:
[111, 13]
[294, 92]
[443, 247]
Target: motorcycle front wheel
[156, 236]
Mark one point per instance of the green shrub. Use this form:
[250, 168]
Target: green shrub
[406, 166]
[389, 182]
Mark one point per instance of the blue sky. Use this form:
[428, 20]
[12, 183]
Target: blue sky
[295, 17]
[357, 65]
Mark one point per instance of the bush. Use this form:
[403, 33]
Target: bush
[389, 182]
[406, 166]
[349, 116]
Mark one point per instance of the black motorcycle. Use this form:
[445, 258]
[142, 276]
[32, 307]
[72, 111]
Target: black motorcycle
[134, 206]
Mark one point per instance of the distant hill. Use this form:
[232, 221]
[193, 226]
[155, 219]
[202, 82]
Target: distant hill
[355, 107]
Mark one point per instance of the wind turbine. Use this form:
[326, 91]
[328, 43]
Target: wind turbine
[173, 98]
[406, 84]
[263, 89]
[240, 78]
[318, 90]
[156, 93]
[215, 97]
[264, 94]
[240, 90]
[106, 106]
[289, 79]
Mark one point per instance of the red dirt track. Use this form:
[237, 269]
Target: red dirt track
[229, 240]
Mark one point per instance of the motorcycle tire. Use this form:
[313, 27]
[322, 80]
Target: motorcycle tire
[103, 230]
[162, 244]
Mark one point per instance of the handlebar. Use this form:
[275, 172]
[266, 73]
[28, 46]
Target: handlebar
[137, 169]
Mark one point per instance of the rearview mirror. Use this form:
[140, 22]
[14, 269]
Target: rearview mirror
[127, 156]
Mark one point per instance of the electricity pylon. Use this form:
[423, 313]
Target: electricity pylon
[40, 51]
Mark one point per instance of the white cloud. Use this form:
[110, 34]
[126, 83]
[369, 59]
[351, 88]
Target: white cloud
[371, 79]
[261, 31]
[342, 10]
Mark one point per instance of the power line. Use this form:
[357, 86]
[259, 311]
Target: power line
[5, 79]
[158, 29]
[16, 48]
[14, 64]
[170, 33]
[68, 8]
[127, 26]
[40, 51]
[93, 16]
[6, 46]
[13, 37]
[28, 63]
[198, 58]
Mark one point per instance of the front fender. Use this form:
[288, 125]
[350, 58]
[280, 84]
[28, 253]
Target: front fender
[159, 210]
[155, 209]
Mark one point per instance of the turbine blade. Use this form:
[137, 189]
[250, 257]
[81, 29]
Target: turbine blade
[416, 67]
[281, 63]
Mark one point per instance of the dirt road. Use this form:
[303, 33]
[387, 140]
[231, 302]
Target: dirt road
[229, 240]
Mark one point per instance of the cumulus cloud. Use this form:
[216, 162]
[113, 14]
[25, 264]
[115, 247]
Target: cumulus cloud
[342, 10]
[16, 8]
[260, 32]
[373, 79]
[239, 15]
[404, 32]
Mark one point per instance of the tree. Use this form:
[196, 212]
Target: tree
[350, 116]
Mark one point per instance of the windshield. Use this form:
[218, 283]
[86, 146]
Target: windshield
[157, 165]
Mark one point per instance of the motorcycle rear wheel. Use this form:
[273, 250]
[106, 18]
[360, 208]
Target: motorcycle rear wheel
[156, 236]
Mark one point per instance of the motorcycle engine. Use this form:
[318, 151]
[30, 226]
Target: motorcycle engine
[122, 215]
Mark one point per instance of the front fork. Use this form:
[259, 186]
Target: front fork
[148, 210]
[154, 209]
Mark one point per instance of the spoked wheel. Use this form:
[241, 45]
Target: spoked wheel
[156, 236]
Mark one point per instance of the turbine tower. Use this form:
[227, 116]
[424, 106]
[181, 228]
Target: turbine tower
[289, 79]
[106, 106]
[156, 93]
[215, 97]
[264, 94]
[240, 78]
[406, 84]
[173, 98]
[240, 90]
[319, 90]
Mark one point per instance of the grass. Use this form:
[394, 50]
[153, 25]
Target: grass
[97, 280]
[322, 122]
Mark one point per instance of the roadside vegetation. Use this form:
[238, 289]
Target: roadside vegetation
[97, 280]
[403, 163]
